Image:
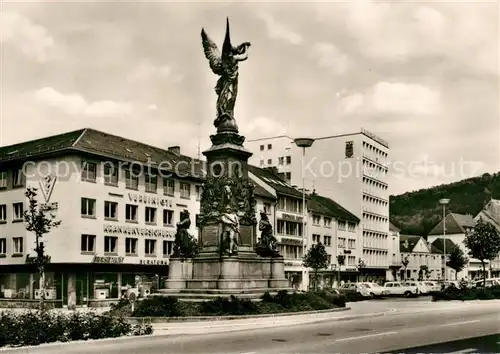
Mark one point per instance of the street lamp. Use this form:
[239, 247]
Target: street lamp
[444, 202]
[303, 143]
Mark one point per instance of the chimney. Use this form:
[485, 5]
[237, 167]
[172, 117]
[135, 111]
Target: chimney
[175, 149]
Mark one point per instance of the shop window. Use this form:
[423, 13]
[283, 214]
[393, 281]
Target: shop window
[105, 286]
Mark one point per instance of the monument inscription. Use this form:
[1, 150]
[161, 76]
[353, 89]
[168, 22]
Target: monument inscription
[246, 235]
[210, 235]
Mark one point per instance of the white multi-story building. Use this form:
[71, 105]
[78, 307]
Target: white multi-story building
[118, 209]
[352, 170]
[425, 262]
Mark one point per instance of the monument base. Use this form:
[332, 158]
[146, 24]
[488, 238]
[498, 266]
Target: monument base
[208, 276]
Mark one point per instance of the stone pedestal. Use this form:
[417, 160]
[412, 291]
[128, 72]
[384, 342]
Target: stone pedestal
[179, 271]
[277, 279]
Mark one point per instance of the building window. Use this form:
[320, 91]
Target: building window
[18, 245]
[269, 146]
[131, 180]
[349, 151]
[88, 207]
[351, 227]
[150, 247]
[130, 246]
[131, 212]
[281, 160]
[88, 243]
[89, 171]
[198, 192]
[327, 222]
[3, 213]
[3, 179]
[267, 208]
[185, 190]
[329, 259]
[168, 186]
[18, 211]
[288, 160]
[168, 217]
[262, 148]
[18, 178]
[110, 243]
[150, 217]
[289, 228]
[351, 243]
[341, 242]
[341, 225]
[291, 205]
[151, 183]
[110, 210]
[316, 219]
[288, 176]
[269, 161]
[316, 238]
[328, 240]
[261, 163]
[110, 174]
[167, 248]
[3, 246]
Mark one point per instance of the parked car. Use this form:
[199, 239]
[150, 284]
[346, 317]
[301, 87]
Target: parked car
[396, 288]
[489, 282]
[354, 288]
[430, 287]
[374, 290]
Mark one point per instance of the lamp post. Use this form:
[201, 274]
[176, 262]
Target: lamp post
[303, 143]
[444, 202]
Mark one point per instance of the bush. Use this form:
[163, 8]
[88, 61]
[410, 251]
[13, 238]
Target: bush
[158, 306]
[228, 307]
[309, 301]
[34, 328]
[464, 294]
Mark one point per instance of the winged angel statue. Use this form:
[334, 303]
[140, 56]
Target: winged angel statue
[226, 66]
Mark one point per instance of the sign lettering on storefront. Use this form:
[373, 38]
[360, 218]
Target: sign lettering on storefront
[149, 199]
[291, 217]
[108, 259]
[135, 230]
[153, 262]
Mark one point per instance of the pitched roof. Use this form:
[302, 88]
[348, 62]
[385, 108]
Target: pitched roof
[439, 245]
[261, 192]
[492, 211]
[275, 181]
[98, 143]
[326, 206]
[455, 224]
[393, 228]
[408, 242]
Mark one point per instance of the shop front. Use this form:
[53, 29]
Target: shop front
[90, 285]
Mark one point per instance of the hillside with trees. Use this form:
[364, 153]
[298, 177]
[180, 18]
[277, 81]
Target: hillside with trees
[416, 213]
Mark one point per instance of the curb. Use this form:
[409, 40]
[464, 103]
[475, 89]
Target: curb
[192, 319]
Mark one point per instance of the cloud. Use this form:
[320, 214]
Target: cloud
[262, 127]
[146, 70]
[279, 31]
[74, 104]
[31, 39]
[393, 97]
[330, 57]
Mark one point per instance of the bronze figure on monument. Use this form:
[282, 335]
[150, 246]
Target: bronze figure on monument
[225, 65]
[268, 245]
[184, 245]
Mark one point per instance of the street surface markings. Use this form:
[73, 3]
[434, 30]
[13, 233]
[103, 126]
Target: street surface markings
[365, 336]
[323, 334]
[279, 340]
[459, 323]
[463, 351]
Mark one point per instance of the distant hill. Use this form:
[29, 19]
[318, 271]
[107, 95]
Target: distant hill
[416, 213]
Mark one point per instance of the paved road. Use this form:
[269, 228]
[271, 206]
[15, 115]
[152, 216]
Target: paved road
[387, 334]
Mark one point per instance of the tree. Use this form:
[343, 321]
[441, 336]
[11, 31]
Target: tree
[457, 260]
[423, 272]
[37, 221]
[483, 243]
[405, 263]
[316, 258]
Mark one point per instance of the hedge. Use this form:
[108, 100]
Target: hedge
[464, 294]
[34, 328]
[159, 306]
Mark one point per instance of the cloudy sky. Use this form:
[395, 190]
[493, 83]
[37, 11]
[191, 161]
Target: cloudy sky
[423, 76]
